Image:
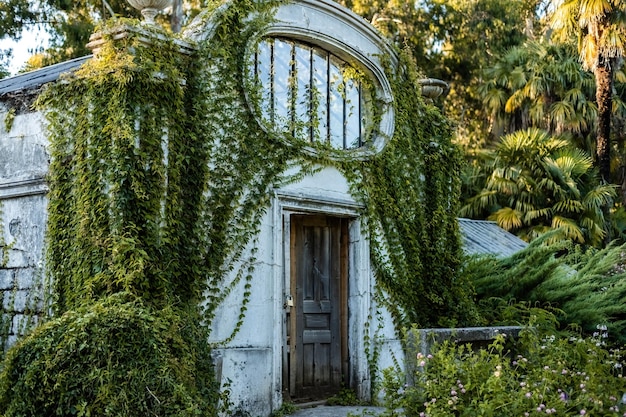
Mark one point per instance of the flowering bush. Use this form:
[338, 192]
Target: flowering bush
[560, 376]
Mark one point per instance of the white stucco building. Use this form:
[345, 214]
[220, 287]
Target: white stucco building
[310, 328]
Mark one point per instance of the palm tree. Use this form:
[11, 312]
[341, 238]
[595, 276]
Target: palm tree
[539, 182]
[600, 28]
[540, 84]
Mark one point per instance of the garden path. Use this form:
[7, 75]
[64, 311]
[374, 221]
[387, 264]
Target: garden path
[337, 411]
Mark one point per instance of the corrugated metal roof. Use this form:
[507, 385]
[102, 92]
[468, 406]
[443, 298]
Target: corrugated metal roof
[486, 237]
[35, 79]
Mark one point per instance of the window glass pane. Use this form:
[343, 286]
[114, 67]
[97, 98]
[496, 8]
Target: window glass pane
[303, 92]
[282, 71]
[319, 99]
[353, 114]
[336, 109]
[302, 128]
[264, 78]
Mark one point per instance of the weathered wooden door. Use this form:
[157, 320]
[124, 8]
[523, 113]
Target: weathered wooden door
[317, 339]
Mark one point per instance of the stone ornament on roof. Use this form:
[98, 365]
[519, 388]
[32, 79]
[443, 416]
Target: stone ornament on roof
[150, 8]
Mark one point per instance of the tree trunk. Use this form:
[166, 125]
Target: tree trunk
[604, 99]
[620, 140]
[604, 91]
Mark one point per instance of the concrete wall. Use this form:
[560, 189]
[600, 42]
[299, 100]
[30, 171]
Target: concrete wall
[253, 361]
[23, 165]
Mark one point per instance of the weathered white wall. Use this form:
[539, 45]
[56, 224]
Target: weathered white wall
[23, 165]
[252, 363]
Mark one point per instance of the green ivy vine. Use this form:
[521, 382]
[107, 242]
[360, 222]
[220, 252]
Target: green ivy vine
[410, 191]
[4, 246]
[9, 118]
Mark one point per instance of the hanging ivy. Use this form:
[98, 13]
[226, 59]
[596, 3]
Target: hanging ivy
[411, 193]
[126, 186]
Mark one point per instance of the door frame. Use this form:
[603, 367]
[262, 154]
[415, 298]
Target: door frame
[359, 285]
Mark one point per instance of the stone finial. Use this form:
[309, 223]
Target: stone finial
[150, 8]
[433, 88]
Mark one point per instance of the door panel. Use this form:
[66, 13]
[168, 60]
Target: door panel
[318, 262]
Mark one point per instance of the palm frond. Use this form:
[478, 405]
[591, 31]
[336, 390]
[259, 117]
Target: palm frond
[502, 184]
[516, 101]
[507, 218]
[561, 112]
[495, 99]
[569, 206]
[484, 200]
[569, 227]
[541, 213]
[599, 196]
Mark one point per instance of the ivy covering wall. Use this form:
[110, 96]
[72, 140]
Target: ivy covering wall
[160, 177]
[410, 192]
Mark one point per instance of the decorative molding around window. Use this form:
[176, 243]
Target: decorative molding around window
[318, 75]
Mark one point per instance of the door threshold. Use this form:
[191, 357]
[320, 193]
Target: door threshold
[310, 404]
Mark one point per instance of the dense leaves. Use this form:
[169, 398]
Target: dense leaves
[541, 84]
[117, 357]
[411, 191]
[122, 252]
[586, 286]
[455, 41]
[537, 182]
[114, 205]
[541, 372]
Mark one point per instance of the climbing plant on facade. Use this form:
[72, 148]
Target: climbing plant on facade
[411, 191]
[121, 216]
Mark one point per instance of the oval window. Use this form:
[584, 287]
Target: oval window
[310, 93]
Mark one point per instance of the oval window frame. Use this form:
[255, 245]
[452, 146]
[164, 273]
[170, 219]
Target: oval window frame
[329, 26]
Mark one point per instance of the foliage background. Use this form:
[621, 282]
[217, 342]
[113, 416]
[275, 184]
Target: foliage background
[139, 221]
[511, 65]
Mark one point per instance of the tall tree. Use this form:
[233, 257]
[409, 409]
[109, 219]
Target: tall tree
[600, 28]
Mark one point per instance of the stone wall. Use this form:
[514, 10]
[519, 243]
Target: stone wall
[23, 166]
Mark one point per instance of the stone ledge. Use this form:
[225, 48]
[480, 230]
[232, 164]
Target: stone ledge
[422, 340]
[23, 188]
[428, 337]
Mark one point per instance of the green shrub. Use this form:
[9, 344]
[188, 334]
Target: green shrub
[113, 358]
[561, 376]
[345, 397]
[586, 284]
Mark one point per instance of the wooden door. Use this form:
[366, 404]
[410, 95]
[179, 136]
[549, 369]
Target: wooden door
[317, 341]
